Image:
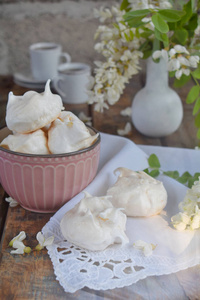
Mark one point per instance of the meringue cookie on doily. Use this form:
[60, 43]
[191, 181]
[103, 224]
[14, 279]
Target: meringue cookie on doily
[33, 110]
[138, 193]
[94, 224]
[68, 134]
[31, 143]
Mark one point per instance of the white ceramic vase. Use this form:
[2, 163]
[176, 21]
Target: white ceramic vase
[157, 110]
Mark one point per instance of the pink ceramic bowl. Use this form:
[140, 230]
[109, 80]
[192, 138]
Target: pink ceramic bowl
[43, 183]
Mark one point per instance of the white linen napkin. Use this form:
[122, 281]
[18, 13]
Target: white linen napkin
[122, 266]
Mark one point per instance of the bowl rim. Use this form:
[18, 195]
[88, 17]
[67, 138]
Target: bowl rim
[59, 154]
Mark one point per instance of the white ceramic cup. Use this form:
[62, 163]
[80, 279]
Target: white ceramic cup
[71, 82]
[45, 58]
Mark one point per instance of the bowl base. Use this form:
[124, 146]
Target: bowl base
[39, 211]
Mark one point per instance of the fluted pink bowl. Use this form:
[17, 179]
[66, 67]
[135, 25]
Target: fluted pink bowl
[43, 183]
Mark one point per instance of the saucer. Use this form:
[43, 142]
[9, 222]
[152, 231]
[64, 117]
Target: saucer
[25, 79]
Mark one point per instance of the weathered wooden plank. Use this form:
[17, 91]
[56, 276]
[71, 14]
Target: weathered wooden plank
[3, 211]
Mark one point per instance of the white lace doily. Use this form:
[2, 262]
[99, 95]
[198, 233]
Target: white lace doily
[114, 267]
[117, 266]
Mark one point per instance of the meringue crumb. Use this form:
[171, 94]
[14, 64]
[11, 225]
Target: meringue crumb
[60, 119]
[70, 124]
[103, 219]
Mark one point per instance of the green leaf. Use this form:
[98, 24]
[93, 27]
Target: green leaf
[154, 173]
[198, 133]
[192, 24]
[193, 94]
[193, 179]
[145, 46]
[153, 161]
[196, 107]
[136, 13]
[182, 81]
[162, 37]
[184, 178]
[172, 174]
[124, 5]
[171, 15]
[180, 36]
[196, 175]
[197, 122]
[159, 23]
[196, 73]
[147, 54]
[126, 37]
[135, 22]
[131, 35]
[146, 171]
[187, 8]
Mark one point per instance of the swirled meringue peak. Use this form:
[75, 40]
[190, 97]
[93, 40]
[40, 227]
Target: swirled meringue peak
[138, 193]
[32, 143]
[68, 134]
[33, 110]
[94, 224]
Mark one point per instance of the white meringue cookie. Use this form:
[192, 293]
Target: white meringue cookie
[94, 224]
[138, 193]
[32, 111]
[32, 143]
[68, 134]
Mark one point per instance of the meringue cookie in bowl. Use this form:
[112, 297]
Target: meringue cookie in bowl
[94, 224]
[44, 182]
[32, 143]
[68, 134]
[138, 193]
[37, 179]
[33, 110]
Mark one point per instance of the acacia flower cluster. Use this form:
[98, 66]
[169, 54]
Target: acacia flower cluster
[121, 59]
[189, 216]
[178, 60]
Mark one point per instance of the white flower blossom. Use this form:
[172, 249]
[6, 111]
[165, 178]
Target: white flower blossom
[174, 64]
[20, 237]
[126, 112]
[42, 241]
[194, 60]
[160, 53]
[102, 14]
[17, 243]
[12, 202]
[147, 248]
[126, 130]
[180, 49]
[180, 221]
[20, 248]
[189, 216]
[183, 61]
[178, 59]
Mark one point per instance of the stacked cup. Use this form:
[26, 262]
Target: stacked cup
[69, 78]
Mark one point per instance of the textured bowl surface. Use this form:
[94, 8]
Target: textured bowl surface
[43, 183]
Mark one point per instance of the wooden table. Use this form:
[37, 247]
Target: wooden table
[32, 276]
